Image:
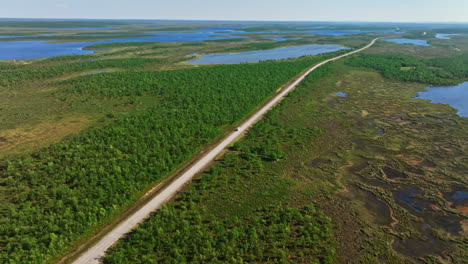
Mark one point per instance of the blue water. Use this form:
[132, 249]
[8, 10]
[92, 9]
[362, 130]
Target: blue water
[455, 96]
[327, 32]
[221, 28]
[279, 39]
[460, 196]
[349, 32]
[340, 94]
[318, 27]
[283, 39]
[109, 35]
[27, 36]
[262, 55]
[445, 36]
[10, 37]
[417, 42]
[19, 50]
[408, 198]
[32, 49]
[84, 28]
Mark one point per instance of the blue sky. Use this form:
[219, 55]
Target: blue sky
[277, 10]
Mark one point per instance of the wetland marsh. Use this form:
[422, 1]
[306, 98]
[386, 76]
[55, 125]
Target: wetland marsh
[351, 167]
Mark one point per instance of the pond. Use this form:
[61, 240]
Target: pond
[455, 96]
[262, 55]
[418, 42]
[340, 94]
[460, 196]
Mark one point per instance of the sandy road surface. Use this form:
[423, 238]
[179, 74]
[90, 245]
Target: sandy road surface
[94, 253]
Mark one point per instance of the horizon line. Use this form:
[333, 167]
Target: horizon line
[235, 20]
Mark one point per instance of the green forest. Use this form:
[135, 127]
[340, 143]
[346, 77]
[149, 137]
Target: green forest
[237, 212]
[271, 235]
[11, 75]
[436, 71]
[56, 195]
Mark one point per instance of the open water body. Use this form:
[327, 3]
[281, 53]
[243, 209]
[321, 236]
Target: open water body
[262, 55]
[283, 39]
[85, 28]
[351, 32]
[221, 28]
[27, 36]
[460, 196]
[341, 94]
[445, 36]
[31, 49]
[418, 42]
[10, 37]
[328, 32]
[455, 96]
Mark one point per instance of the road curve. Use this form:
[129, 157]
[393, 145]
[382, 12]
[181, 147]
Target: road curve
[95, 253]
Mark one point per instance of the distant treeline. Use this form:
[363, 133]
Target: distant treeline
[436, 71]
[11, 75]
[53, 196]
[45, 24]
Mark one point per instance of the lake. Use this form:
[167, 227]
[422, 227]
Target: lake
[34, 49]
[417, 42]
[262, 55]
[326, 32]
[85, 28]
[283, 39]
[445, 36]
[455, 96]
[350, 32]
[31, 49]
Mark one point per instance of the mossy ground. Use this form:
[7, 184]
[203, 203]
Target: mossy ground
[393, 158]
